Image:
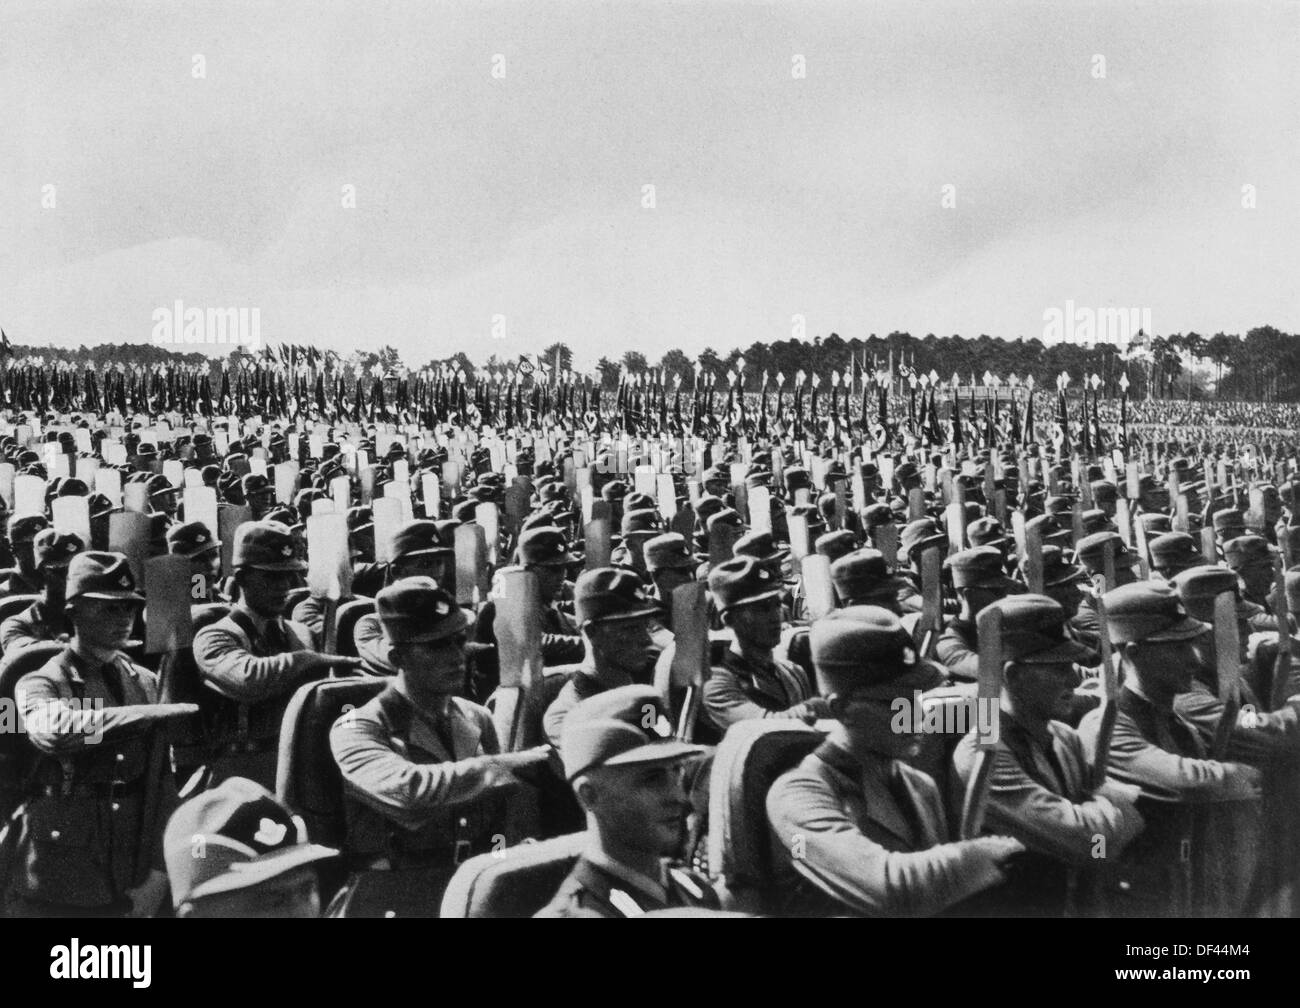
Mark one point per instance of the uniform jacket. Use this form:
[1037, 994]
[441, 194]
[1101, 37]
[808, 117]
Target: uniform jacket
[739, 690]
[33, 626]
[581, 685]
[957, 649]
[420, 795]
[91, 826]
[872, 838]
[590, 890]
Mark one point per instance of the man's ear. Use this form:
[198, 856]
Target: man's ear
[586, 791]
[835, 704]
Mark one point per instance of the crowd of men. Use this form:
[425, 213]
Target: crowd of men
[269, 665]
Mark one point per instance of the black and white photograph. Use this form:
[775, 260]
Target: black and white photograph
[612, 459]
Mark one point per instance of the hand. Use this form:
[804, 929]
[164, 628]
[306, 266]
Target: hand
[148, 895]
[1119, 792]
[320, 660]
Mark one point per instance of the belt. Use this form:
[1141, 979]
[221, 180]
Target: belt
[97, 789]
[249, 747]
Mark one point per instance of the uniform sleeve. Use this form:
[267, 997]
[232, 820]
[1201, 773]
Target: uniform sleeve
[54, 725]
[1258, 738]
[405, 792]
[226, 663]
[954, 654]
[15, 633]
[553, 719]
[826, 847]
[1020, 807]
[727, 703]
[1139, 760]
[310, 612]
[368, 636]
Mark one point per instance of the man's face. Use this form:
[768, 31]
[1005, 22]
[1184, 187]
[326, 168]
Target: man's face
[293, 894]
[641, 807]
[717, 487]
[1042, 692]
[432, 668]
[1069, 595]
[1166, 666]
[261, 502]
[433, 565]
[759, 623]
[363, 545]
[871, 722]
[550, 581]
[625, 644]
[267, 592]
[104, 624]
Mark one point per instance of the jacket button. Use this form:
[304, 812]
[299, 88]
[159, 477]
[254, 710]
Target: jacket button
[120, 757]
[116, 806]
[54, 834]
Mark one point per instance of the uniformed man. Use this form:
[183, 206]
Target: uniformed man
[1159, 750]
[867, 833]
[1091, 554]
[25, 578]
[626, 770]
[979, 579]
[88, 840]
[544, 551]
[615, 616]
[1251, 558]
[670, 564]
[1040, 790]
[1062, 580]
[195, 541]
[235, 851]
[255, 658]
[1173, 553]
[47, 618]
[424, 763]
[751, 681]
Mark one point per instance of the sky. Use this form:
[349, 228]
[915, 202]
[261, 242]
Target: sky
[499, 155]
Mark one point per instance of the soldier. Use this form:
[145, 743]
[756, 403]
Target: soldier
[46, 619]
[1040, 789]
[89, 834]
[978, 576]
[1251, 557]
[670, 564]
[545, 552]
[255, 658]
[1062, 580]
[1159, 750]
[195, 541]
[1229, 523]
[1091, 554]
[235, 851]
[626, 772]
[615, 616]
[751, 681]
[860, 823]
[25, 578]
[425, 763]
[259, 493]
[1173, 553]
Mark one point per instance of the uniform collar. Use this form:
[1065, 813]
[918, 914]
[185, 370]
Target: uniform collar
[656, 889]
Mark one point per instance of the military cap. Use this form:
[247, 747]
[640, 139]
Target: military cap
[1174, 550]
[866, 648]
[466, 511]
[1199, 586]
[862, 574]
[211, 475]
[360, 518]
[643, 520]
[1153, 523]
[907, 471]
[99, 506]
[1148, 611]
[1104, 492]
[1034, 631]
[70, 486]
[875, 515]
[707, 506]
[478, 494]
[834, 545]
[265, 545]
[1227, 519]
[1049, 530]
[1096, 520]
[159, 486]
[669, 551]
[1057, 570]
[1247, 551]
[980, 567]
[414, 610]
[607, 594]
[55, 549]
[100, 575]
[715, 474]
[246, 836]
[835, 471]
[758, 478]
[727, 516]
[625, 726]
[146, 451]
[637, 501]
[23, 528]
[809, 512]
[1058, 505]
[279, 514]
[987, 531]
[419, 538]
[741, 581]
[304, 500]
[255, 483]
[191, 539]
[614, 490]
[761, 546]
[544, 547]
[919, 535]
[1091, 551]
[797, 478]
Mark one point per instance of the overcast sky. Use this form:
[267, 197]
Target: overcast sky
[522, 196]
